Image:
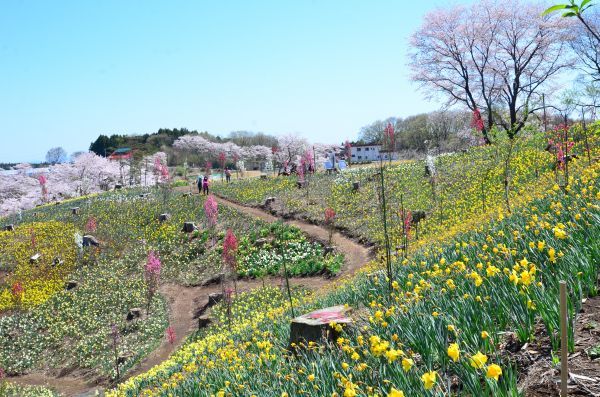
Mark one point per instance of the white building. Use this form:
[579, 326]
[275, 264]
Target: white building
[370, 152]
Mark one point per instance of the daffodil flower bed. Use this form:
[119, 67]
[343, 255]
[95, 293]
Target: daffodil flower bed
[8, 389]
[438, 331]
[72, 328]
[287, 246]
[465, 190]
[54, 328]
[38, 279]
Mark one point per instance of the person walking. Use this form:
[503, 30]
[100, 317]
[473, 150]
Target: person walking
[205, 185]
[199, 183]
[227, 175]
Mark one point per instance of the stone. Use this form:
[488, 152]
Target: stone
[203, 322]
[189, 227]
[330, 249]
[134, 313]
[9, 228]
[89, 241]
[355, 186]
[164, 217]
[75, 210]
[71, 285]
[35, 258]
[314, 326]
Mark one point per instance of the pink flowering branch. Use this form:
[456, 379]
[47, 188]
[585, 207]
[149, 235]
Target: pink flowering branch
[211, 211]
[152, 270]
[170, 334]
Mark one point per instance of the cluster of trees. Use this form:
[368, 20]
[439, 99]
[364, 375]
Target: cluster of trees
[87, 173]
[285, 151]
[142, 145]
[443, 130]
[164, 138]
[501, 60]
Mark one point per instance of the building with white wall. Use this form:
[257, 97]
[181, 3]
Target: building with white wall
[363, 153]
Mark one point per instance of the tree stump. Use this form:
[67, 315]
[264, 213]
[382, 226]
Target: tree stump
[214, 279]
[314, 326]
[89, 241]
[203, 322]
[268, 202]
[123, 358]
[9, 228]
[189, 227]
[164, 217]
[134, 313]
[214, 298]
[417, 216]
[35, 258]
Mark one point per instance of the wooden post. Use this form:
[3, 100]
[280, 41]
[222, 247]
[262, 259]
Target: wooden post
[564, 365]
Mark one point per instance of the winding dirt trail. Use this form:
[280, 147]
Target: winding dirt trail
[356, 255]
[184, 303]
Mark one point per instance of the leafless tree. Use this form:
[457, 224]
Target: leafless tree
[56, 155]
[587, 47]
[491, 57]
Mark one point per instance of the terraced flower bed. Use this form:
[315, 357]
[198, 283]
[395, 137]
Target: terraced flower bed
[75, 298]
[443, 328]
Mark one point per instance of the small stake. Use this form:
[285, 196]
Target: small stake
[564, 365]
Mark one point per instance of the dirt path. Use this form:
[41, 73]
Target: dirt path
[184, 302]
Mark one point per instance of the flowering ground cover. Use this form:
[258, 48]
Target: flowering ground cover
[44, 325]
[458, 192]
[72, 328]
[441, 329]
[8, 389]
[55, 244]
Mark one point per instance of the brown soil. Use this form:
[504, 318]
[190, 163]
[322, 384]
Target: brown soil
[542, 378]
[184, 302]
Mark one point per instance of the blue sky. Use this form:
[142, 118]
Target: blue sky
[71, 70]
